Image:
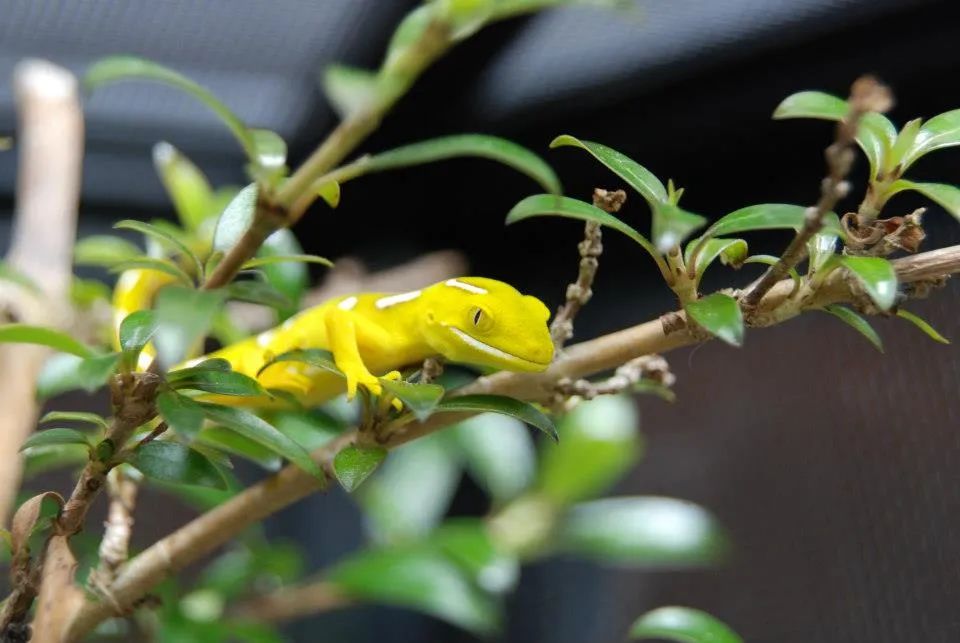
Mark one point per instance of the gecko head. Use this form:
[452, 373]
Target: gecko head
[474, 320]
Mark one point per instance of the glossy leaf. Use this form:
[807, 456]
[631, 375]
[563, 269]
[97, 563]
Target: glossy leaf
[468, 543]
[183, 318]
[163, 236]
[939, 132]
[731, 252]
[421, 399]
[269, 155]
[43, 336]
[418, 579]
[153, 263]
[923, 325]
[876, 137]
[719, 315]
[275, 259]
[904, 144]
[289, 277]
[234, 443]
[312, 356]
[877, 277]
[186, 185]
[498, 453]
[770, 260]
[820, 248]
[217, 382]
[257, 292]
[542, 205]
[645, 531]
[250, 426]
[49, 437]
[858, 323]
[351, 90]
[600, 443]
[136, 330]
[74, 416]
[671, 225]
[478, 145]
[176, 463]
[683, 625]
[104, 250]
[329, 191]
[523, 411]
[767, 216]
[945, 195]
[182, 414]
[37, 460]
[638, 177]
[235, 219]
[354, 464]
[65, 372]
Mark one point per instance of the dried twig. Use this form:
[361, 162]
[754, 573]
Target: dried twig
[118, 528]
[650, 367]
[289, 603]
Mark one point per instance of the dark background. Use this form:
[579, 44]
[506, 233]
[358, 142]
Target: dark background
[833, 466]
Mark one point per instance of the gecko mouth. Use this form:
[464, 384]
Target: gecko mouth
[473, 342]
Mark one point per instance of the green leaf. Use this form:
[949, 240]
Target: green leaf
[289, 277]
[74, 416]
[465, 17]
[642, 531]
[235, 219]
[417, 579]
[498, 453]
[312, 356]
[275, 259]
[64, 372]
[923, 325]
[114, 69]
[152, 263]
[467, 541]
[638, 177]
[683, 625]
[38, 460]
[502, 404]
[329, 191]
[217, 382]
[903, 145]
[27, 334]
[56, 436]
[104, 250]
[653, 387]
[211, 364]
[446, 147]
[163, 237]
[876, 137]
[183, 318]
[939, 132]
[719, 315]
[877, 277]
[770, 260]
[257, 292]
[812, 104]
[405, 36]
[671, 225]
[136, 330]
[767, 216]
[731, 252]
[186, 185]
[351, 90]
[250, 426]
[945, 195]
[181, 413]
[421, 399]
[269, 155]
[541, 205]
[231, 442]
[354, 464]
[176, 463]
[600, 443]
[859, 324]
[820, 248]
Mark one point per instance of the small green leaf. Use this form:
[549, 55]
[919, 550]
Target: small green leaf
[653, 387]
[257, 292]
[27, 334]
[351, 90]
[945, 195]
[939, 132]
[600, 443]
[211, 364]
[181, 413]
[114, 69]
[820, 248]
[719, 315]
[646, 531]
[770, 260]
[468, 542]
[312, 356]
[405, 36]
[153, 263]
[64, 372]
[164, 237]
[183, 318]
[289, 277]
[235, 219]
[683, 625]
[767, 216]
[922, 324]
[731, 252]
[275, 259]
[671, 225]
[354, 464]
[136, 330]
[903, 145]
[38, 460]
[465, 17]
[523, 411]
[446, 147]
[876, 137]
[498, 453]
[877, 276]
[104, 250]
[250, 426]
[74, 416]
[218, 382]
[857, 322]
[176, 463]
[421, 399]
[541, 205]
[232, 442]
[812, 104]
[186, 185]
[269, 155]
[329, 191]
[56, 436]
[418, 579]
[638, 177]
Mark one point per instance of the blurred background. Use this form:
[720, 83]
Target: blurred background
[832, 466]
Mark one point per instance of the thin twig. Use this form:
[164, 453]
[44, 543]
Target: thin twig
[118, 528]
[288, 603]
[866, 95]
[649, 367]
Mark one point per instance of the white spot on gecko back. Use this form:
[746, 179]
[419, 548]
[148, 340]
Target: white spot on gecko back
[465, 286]
[393, 300]
[264, 339]
[348, 303]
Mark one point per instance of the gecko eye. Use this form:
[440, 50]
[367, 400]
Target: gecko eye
[480, 319]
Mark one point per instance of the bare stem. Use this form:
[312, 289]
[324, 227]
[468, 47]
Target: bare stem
[292, 602]
[118, 528]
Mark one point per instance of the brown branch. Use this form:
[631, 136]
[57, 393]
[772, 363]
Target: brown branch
[866, 95]
[289, 603]
[216, 527]
[50, 142]
[118, 528]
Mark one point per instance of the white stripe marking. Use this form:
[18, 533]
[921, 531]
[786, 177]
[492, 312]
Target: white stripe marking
[348, 303]
[465, 286]
[487, 348]
[264, 339]
[393, 300]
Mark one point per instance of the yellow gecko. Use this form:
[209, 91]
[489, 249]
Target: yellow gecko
[471, 320]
